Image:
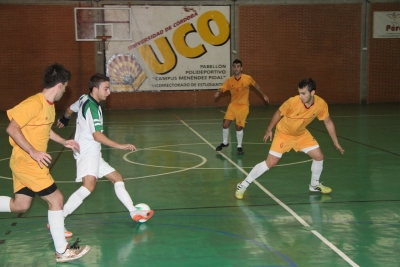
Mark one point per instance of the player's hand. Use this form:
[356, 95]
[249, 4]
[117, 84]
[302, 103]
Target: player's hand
[127, 147]
[338, 147]
[63, 122]
[41, 158]
[216, 94]
[73, 145]
[268, 135]
[266, 98]
[60, 124]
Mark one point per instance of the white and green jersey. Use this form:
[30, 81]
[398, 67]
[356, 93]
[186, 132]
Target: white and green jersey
[89, 120]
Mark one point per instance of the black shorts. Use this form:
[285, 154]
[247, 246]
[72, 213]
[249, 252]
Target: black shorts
[45, 192]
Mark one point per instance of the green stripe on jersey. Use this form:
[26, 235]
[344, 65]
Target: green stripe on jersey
[94, 109]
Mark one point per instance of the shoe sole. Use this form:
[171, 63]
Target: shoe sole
[67, 234]
[138, 217]
[80, 255]
[237, 197]
[318, 191]
[216, 149]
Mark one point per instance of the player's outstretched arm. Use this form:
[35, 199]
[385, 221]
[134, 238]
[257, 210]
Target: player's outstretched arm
[63, 121]
[103, 139]
[74, 145]
[330, 126]
[275, 119]
[261, 92]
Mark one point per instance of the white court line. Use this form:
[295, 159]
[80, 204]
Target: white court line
[283, 205]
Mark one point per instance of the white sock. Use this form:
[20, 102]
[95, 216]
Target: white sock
[5, 203]
[259, 169]
[124, 197]
[239, 136]
[56, 222]
[225, 134]
[75, 200]
[316, 170]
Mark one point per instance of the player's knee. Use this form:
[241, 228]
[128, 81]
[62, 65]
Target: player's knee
[271, 162]
[226, 124]
[90, 186]
[20, 207]
[319, 157]
[89, 182]
[21, 210]
[117, 177]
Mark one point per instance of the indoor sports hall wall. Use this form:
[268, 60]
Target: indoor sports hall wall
[384, 78]
[33, 37]
[278, 44]
[282, 44]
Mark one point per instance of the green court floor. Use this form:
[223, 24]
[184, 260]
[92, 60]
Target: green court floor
[190, 186]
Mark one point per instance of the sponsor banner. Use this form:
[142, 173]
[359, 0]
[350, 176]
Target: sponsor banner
[172, 48]
[387, 24]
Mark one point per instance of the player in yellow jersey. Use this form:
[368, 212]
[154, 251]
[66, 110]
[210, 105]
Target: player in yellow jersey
[239, 87]
[30, 130]
[291, 120]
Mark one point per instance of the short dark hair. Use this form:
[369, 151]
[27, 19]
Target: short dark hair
[55, 74]
[309, 83]
[96, 80]
[237, 61]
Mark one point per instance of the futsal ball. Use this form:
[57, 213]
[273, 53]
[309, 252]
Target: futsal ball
[142, 206]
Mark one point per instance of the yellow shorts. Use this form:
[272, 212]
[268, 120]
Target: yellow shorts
[30, 176]
[284, 143]
[238, 112]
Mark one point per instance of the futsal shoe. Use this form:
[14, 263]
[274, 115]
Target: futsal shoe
[320, 188]
[142, 215]
[239, 191]
[72, 252]
[222, 145]
[240, 151]
[66, 232]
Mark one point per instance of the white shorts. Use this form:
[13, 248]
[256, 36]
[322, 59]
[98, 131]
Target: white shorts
[92, 165]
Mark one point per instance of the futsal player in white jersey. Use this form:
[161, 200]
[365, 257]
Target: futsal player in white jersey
[89, 162]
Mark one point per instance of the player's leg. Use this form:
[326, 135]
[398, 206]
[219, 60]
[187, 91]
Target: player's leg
[76, 199]
[119, 187]
[20, 203]
[280, 145]
[310, 146]
[225, 134]
[23, 196]
[55, 200]
[241, 113]
[256, 172]
[239, 137]
[316, 170]
[123, 196]
[87, 171]
[228, 118]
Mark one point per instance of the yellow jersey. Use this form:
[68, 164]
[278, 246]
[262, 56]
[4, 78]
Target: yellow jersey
[296, 116]
[239, 89]
[35, 116]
